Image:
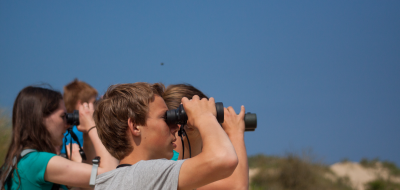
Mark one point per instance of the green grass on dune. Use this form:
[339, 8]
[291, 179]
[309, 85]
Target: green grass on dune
[390, 166]
[5, 134]
[304, 172]
[293, 172]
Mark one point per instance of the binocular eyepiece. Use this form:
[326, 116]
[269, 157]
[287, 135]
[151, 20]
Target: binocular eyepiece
[72, 118]
[178, 116]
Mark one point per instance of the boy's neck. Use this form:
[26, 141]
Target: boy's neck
[134, 157]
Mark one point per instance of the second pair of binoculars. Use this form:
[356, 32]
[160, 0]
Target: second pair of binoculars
[178, 116]
[72, 118]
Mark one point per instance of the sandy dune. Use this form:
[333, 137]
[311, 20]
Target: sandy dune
[357, 174]
[360, 175]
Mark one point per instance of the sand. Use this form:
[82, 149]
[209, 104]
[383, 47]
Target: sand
[359, 175]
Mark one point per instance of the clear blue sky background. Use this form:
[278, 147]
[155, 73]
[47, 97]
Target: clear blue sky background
[321, 75]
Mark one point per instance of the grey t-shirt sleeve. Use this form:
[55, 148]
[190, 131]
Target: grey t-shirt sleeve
[150, 174]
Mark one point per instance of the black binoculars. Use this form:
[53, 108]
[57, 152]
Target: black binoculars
[72, 118]
[178, 116]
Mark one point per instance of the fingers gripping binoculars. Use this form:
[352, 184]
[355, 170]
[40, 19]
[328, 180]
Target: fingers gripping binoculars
[178, 116]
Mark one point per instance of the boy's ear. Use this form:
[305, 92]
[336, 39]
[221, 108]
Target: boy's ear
[133, 128]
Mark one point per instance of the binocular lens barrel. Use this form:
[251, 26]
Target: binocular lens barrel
[250, 121]
[178, 116]
[72, 118]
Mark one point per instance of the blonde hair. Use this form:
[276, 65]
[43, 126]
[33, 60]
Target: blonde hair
[173, 94]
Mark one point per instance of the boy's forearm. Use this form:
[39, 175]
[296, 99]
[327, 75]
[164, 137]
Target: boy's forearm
[241, 173]
[240, 177]
[218, 159]
[212, 134]
[215, 141]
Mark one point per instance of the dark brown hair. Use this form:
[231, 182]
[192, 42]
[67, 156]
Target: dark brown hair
[119, 103]
[174, 93]
[31, 106]
[77, 90]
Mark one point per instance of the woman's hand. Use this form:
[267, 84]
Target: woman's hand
[86, 117]
[233, 124]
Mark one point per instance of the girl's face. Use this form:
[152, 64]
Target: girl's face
[56, 124]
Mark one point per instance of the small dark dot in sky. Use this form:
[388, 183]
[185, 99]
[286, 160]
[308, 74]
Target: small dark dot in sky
[162, 63]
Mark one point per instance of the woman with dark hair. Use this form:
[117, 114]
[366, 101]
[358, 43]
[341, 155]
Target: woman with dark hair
[233, 125]
[38, 125]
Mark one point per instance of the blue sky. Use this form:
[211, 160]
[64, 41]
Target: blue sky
[321, 75]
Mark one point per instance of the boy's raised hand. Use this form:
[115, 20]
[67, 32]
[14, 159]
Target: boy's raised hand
[197, 109]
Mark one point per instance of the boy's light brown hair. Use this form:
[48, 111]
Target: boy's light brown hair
[119, 103]
[174, 93]
[77, 90]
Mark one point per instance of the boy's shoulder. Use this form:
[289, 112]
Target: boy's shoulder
[145, 174]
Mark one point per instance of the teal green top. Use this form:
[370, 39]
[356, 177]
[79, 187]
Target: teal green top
[31, 169]
[175, 156]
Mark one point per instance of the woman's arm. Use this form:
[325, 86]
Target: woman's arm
[88, 148]
[234, 127]
[63, 171]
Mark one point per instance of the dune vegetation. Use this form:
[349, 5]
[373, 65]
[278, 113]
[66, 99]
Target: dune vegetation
[304, 172]
[293, 172]
[5, 134]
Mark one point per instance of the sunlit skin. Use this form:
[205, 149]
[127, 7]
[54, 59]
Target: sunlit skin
[156, 139]
[234, 128]
[195, 142]
[195, 138]
[157, 136]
